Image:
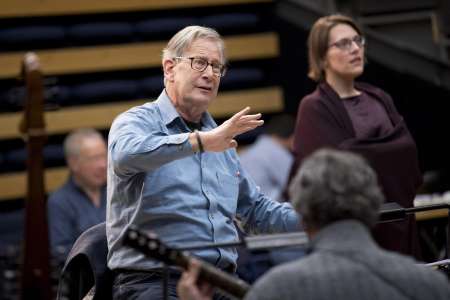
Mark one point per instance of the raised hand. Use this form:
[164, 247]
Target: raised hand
[222, 137]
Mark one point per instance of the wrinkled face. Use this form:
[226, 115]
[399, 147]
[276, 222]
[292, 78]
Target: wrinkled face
[192, 87]
[89, 167]
[345, 56]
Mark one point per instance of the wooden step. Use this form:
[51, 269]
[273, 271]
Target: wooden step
[14, 185]
[33, 8]
[130, 56]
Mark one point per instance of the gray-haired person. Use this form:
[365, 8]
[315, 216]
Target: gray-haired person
[173, 171]
[81, 202]
[338, 196]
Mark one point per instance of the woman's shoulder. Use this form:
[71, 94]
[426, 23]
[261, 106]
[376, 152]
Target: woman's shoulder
[312, 98]
[371, 89]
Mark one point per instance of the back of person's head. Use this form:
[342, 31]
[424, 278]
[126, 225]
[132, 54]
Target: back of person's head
[74, 140]
[281, 125]
[334, 185]
[318, 42]
[182, 40]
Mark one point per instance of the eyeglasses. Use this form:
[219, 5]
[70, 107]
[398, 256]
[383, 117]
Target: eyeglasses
[346, 43]
[200, 64]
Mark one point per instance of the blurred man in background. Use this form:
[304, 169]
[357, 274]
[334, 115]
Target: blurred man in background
[269, 159]
[81, 202]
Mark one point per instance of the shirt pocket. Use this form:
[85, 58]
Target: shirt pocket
[227, 191]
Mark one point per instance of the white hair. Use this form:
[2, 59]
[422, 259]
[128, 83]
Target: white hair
[185, 37]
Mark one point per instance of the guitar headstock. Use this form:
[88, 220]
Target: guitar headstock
[151, 245]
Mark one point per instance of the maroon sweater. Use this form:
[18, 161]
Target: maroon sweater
[323, 121]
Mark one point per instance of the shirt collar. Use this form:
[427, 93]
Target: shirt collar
[169, 113]
[165, 105]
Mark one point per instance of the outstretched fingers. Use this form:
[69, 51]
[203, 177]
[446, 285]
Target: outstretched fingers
[239, 114]
[242, 122]
[247, 125]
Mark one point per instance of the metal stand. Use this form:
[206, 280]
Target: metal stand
[165, 282]
[393, 212]
[261, 242]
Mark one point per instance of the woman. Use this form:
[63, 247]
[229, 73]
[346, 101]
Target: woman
[358, 117]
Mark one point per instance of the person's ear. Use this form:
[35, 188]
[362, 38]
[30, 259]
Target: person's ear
[168, 67]
[72, 163]
[324, 63]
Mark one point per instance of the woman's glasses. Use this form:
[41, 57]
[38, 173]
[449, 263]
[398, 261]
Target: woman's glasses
[346, 43]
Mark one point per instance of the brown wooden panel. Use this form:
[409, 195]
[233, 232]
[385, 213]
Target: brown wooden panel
[130, 56]
[97, 116]
[432, 214]
[100, 116]
[87, 59]
[28, 8]
[264, 100]
[13, 185]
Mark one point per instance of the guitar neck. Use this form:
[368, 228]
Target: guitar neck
[152, 247]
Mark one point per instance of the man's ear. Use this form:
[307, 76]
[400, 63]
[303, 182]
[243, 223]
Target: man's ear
[168, 67]
[72, 163]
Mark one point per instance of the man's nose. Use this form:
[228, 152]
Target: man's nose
[102, 163]
[208, 71]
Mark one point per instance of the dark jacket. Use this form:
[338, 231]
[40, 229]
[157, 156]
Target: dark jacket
[323, 121]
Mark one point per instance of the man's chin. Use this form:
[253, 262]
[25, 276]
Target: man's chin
[204, 98]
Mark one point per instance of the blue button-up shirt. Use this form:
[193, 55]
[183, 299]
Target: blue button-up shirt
[70, 213]
[157, 183]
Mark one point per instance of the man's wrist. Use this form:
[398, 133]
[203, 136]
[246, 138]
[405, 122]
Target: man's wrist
[199, 141]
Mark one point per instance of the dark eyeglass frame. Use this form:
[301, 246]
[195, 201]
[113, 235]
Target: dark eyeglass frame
[218, 70]
[346, 43]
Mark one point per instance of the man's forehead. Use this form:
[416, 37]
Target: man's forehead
[207, 48]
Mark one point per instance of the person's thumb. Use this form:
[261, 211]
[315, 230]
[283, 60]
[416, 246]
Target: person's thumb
[233, 143]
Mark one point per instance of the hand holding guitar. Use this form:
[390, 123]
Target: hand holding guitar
[190, 288]
[150, 245]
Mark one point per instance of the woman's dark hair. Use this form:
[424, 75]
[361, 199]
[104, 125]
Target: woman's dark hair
[318, 40]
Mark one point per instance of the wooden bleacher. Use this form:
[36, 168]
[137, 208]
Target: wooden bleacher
[130, 56]
[141, 55]
[32, 8]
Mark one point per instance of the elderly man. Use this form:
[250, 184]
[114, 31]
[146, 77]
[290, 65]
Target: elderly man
[81, 202]
[338, 196]
[172, 170]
